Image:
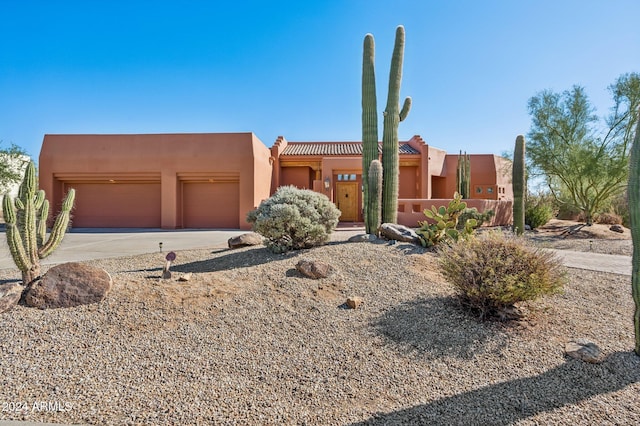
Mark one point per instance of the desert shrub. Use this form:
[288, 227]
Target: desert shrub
[473, 213]
[538, 215]
[293, 219]
[608, 219]
[494, 271]
[620, 206]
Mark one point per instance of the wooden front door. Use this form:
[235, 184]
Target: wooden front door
[347, 200]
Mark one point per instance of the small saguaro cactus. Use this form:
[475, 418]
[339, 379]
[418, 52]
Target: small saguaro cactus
[393, 115]
[519, 185]
[464, 175]
[375, 197]
[26, 225]
[634, 215]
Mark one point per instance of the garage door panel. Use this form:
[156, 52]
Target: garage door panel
[116, 205]
[211, 205]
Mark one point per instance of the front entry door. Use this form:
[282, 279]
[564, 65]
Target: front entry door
[347, 200]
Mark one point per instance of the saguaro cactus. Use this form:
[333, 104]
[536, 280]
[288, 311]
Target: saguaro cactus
[375, 197]
[369, 121]
[26, 225]
[464, 175]
[518, 183]
[392, 118]
[634, 215]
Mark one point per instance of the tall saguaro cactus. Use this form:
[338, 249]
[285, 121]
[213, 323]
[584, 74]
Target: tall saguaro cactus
[375, 197]
[369, 122]
[464, 175]
[393, 115]
[26, 225]
[519, 184]
[634, 215]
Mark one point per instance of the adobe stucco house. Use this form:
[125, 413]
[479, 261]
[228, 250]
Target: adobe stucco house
[211, 180]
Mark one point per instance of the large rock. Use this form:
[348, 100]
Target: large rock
[392, 231]
[313, 269]
[584, 350]
[9, 296]
[248, 239]
[359, 238]
[67, 285]
[617, 228]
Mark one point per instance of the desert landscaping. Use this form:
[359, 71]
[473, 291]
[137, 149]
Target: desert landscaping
[249, 340]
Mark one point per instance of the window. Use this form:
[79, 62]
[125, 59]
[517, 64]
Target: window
[478, 190]
[339, 177]
[352, 177]
[489, 190]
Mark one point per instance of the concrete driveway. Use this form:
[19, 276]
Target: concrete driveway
[88, 244]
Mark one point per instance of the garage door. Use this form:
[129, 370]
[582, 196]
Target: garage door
[116, 205]
[211, 205]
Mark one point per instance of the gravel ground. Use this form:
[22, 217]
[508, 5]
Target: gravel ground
[249, 341]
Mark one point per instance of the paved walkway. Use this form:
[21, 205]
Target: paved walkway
[89, 244]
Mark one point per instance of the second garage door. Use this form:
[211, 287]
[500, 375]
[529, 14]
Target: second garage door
[116, 205]
[211, 205]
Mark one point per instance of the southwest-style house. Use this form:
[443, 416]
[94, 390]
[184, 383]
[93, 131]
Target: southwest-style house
[211, 180]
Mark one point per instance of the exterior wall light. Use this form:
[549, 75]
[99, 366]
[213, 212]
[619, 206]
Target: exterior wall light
[327, 183]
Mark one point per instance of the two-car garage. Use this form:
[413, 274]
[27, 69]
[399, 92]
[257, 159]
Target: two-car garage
[202, 180]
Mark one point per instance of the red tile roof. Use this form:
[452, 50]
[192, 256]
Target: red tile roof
[337, 148]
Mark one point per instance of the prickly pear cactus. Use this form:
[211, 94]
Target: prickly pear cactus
[26, 225]
[443, 223]
[375, 198]
[634, 213]
[519, 185]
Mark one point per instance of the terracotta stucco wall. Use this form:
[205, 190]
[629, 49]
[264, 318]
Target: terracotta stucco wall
[171, 159]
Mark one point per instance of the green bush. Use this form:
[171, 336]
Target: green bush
[538, 210]
[293, 219]
[473, 213]
[494, 271]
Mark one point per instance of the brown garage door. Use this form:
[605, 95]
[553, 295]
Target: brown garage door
[116, 205]
[211, 205]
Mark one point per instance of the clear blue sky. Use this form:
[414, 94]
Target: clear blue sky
[293, 68]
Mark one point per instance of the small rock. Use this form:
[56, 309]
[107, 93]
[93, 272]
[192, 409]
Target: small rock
[360, 238]
[584, 350]
[9, 296]
[68, 285]
[617, 228]
[186, 277]
[248, 239]
[313, 269]
[392, 231]
[354, 302]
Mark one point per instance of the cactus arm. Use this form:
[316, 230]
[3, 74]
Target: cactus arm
[405, 108]
[59, 227]
[42, 222]
[634, 214]
[13, 236]
[369, 119]
[518, 182]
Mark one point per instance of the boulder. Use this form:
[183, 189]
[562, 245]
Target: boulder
[360, 238]
[313, 269]
[68, 285]
[9, 296]
[392, 231]
[617, 228]
[584, 350]
[248, 239]
[354, 302]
